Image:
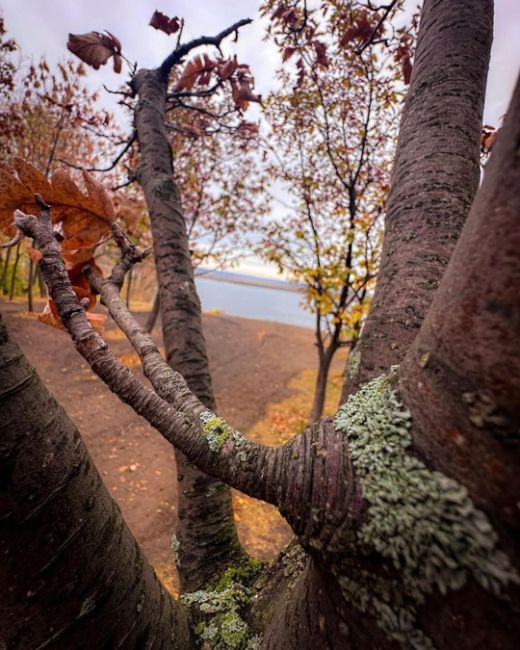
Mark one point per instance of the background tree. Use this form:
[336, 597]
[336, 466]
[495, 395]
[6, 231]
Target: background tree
[402, 538]
[330, 143]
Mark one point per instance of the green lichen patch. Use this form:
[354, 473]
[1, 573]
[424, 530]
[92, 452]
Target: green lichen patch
[216, 430]
[242, 573]
[221, 607]
[422, 521]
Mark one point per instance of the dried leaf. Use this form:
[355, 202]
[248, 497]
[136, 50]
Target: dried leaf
[164, 23]
[287, 53]
[85, 218]
[95, 48]
[192, 71]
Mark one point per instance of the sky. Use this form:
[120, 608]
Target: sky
[41, 28]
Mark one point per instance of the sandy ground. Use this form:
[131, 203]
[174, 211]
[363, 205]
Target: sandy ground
[252, 364]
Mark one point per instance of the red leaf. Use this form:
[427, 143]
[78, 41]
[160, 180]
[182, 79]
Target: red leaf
[243, 93]
[287, 53]
[226, 68]
[194, 71]
[95, 49]
[164, 23]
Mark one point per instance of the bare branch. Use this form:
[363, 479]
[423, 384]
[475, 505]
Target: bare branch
[207, 440]
[127, 146]
[14, 241]
[181, 51]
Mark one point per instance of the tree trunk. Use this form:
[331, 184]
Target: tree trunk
[152, 316]
[30, 283]
[3, 281]
[14, 272]
[461, 382]
[436, 175]
[205, 507]
[129, 278]
[73, 576]
[320, 388]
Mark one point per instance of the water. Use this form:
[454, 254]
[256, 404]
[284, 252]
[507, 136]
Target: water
[250, 301]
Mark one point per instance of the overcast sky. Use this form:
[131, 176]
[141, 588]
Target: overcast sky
[41, 28]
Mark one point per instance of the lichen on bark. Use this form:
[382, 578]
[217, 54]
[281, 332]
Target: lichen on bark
[219, 609]
[423, 522]
[216, 430]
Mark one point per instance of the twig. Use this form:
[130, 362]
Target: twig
[369, 40]
[14, 241]
[127, 146]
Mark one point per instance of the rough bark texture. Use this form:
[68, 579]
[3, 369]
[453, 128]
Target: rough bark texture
[465, 359]
[72, 575]
[205, 508]
[436, 175]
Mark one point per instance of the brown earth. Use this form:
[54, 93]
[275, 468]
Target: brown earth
[254, 364]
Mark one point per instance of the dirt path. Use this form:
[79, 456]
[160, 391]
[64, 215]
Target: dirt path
[252, 363]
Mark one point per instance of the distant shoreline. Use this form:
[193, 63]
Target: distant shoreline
[250, 280]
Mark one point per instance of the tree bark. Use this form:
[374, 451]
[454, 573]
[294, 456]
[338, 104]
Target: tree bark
[3, 281]
[436, 175]
[461, 382]
[73, 576]
[205, 507]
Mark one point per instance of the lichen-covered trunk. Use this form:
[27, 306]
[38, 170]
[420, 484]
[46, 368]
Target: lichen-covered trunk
[205, 508]
[436, 175]
[72, 574]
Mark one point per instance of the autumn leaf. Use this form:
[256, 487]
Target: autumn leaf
[287, 53]
[85, 218]
[193, 71]
[165, 23]
[488, 138]
[242, 93]
[130, 210]
[95, 48]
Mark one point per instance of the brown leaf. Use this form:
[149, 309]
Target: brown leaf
[287, 53]
[85, 218]
[95, 48]
[164, 23]
[193, 70]
[243, 94]
[226, 68]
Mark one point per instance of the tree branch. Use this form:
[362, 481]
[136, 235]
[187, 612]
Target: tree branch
[207, 441]
[181, 51]
[127, 146]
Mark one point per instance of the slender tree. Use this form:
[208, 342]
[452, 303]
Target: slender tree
[331, 131]
[404, 504]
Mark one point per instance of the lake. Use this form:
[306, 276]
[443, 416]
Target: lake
[250, 301]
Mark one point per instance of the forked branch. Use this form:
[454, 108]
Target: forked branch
[207, 440]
